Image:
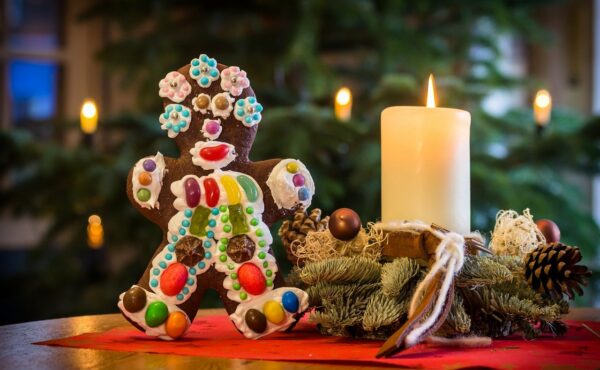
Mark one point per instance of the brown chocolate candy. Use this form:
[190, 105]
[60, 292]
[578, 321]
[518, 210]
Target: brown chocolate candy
[240, 248]
[189, 250]
[202, 102]
[134, 299]
[221, 102]
[255, 320]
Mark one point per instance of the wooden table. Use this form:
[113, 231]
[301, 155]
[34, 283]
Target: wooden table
[17, 352]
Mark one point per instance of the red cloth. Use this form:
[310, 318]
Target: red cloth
[214, 336]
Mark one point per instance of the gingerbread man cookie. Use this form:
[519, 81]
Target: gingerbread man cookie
[215, 207]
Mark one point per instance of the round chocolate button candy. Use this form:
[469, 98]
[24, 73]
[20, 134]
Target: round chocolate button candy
[274, 312]
[290, 301]
[255, 320]
[149, 165]
[156, 314]
[134, 299]
[143, 195]
[240, 248]
[344, 224]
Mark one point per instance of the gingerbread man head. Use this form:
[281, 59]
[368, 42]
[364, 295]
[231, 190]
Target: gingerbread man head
[214, 206]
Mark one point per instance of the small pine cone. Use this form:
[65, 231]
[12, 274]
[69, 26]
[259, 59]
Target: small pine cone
[298, 228]
[552, 268]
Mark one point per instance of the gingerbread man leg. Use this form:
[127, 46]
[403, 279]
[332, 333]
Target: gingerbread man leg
[214, 206]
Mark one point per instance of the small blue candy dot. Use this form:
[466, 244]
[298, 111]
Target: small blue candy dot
[240, 112]
[214, 73]
[192, 271]
[175, 129]
[203, 57]
[210, 234]
[240, 103]
[303, 194]
[256, 117]
[171, 248]
[180, 297]
[204, 81]
[195, 62]
[182, 124]
[166, 115]
[215, 211]
[195, 72]
[154, 283]
[212, 223]
[207, 244]
[174, 238]
[190, 281]
[169, 125]
[252, 100]
[248, 119]
[185, 290]
[185, 113]
[182, 231]
[212, 63]
[258, 108]
[162, 264]
[169, 108]
[168, 256]
[156, 271]
[201, 265]
[178, 108]
[187, 213]
[207, 255]
[185, 223]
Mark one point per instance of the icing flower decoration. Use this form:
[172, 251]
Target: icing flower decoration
[211, 129]
[201, 103]
[234, 80]
[204, 70]
[248, 111]
[222, 105]
[175, 119]
[174, 86]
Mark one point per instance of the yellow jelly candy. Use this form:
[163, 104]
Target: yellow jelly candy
[292, 167]
[274, 312]
[176, 324]
[234, 195]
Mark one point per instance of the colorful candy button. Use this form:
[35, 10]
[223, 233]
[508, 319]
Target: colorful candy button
[173, 279]
[134, 299]
[274, 312]
[292, 167]
[156, 314]
[143, 195]
[176, 324]
[192, 192]
[149, 165]
[255, 320]
[303, 194]
[298, 179]
[251, 278]
[289, 300]
[145, 178]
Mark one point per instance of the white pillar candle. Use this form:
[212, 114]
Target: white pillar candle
[425, 166]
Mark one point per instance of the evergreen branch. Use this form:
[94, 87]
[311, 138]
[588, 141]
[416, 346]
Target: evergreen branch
[327, 291]
[341, 270]
[479, 270]
[383, 310]
[396, 275]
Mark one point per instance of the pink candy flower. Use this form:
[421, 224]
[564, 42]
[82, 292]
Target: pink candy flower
[234, 80]
[174, 86]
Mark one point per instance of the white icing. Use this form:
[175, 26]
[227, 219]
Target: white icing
[207, 135]
[222, 112]
[156, 184]
[139, 317]
[283, 190]
[195, 107]
[207, 164]
[174, 86]
[175, 121]
[275, 295]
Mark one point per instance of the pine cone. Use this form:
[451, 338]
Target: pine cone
[296, 229]
[552, 268]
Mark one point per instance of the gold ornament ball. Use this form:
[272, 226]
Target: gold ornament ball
[549, 229]
[344, 224]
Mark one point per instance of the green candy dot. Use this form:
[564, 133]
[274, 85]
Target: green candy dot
[259, 232]
[223, 208]
[222, 248]
[222, 258]
[243, 296]
[249, 210]
[262, 255]
[224, 240]
[231, 266]
[233, 276]
[227, 228]
[224, 218]
[269, 273]
[254, 222]
[269, 282]
[262, 243]
[236, 286]
[143, 195]
[265, 264]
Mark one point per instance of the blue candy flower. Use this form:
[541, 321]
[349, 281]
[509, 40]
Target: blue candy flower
[248, 111]
[204, 70]
[175, 119]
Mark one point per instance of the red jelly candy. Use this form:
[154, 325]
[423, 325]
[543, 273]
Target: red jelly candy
[211, 188]
[214, 153]
[173, 279]
[192, 192]
[251, 278]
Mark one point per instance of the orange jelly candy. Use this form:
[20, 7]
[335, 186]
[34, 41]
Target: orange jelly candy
[145, 178]
[176, 324]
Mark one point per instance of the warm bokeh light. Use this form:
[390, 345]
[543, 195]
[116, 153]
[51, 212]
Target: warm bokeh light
[343, 104]
[542, 107]
[431, 92]
[95, 232]
[89, 117]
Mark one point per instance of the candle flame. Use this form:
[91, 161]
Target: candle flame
[431, 92]
[95, 232]
[542, 107]
[343, 104]
[88, 116]
[343, 96]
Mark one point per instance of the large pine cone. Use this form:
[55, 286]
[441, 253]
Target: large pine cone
[552, 268]
[296, 229]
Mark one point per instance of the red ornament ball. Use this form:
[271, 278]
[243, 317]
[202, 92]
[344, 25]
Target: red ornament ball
[344, 224]
[549, 229]
[251, 278]
[173, 279]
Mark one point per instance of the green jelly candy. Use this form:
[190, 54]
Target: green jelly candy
[156, 314]
[249, 187]
[199, 221]
[143, 195]
[238, 219]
